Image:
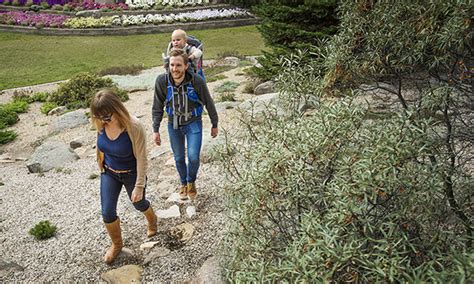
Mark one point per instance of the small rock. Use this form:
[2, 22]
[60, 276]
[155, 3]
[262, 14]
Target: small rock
[265, 88]
[147, 245]
[76, 143]
[183, 232]
[191, 211]
[125, 274]
[171, 212]
[58, 110]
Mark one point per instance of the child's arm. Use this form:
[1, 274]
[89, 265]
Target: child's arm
[194, 53]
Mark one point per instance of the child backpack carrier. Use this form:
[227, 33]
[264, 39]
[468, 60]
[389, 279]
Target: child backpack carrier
[191, 95]
[192, 41]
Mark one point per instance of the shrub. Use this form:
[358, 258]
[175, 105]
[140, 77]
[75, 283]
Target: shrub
[332, 196]
[250, 86]
[7, 116]
[79, 91]
[43, 230]
[16, 3]
[7, 136]
[227, 97]
[46, 107]
[17, 106]
[29, 3]
[214, 78]
[227, 86]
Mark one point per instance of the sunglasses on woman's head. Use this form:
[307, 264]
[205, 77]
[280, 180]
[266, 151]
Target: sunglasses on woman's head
[104, 118]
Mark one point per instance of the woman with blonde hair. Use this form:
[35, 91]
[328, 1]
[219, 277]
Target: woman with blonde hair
[121, 155]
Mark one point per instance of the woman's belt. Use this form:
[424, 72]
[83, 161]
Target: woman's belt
[117, 171]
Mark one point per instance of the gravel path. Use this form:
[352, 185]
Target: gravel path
[69, 199]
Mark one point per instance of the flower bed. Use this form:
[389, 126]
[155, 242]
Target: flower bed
[32, 19]
[40, 20]
[199, 15]
[164, 4]
[75, 5]
[65, 5]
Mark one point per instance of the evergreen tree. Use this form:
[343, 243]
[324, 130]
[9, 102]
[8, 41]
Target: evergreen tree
[293, 24]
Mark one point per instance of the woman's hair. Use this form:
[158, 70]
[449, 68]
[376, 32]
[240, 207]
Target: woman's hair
[106, 102]
[179, 52]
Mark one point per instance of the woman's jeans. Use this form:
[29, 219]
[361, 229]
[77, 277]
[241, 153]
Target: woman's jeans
[192, 134]
[110, 187]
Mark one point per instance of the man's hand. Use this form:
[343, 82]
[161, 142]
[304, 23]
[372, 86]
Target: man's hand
[214, 132]
[137, 194]
[157, 138]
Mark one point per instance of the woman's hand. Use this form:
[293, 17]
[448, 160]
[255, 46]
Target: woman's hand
[137, 194]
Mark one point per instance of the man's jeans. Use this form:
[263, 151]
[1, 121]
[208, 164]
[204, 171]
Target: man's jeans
[110, 187]
[192, 133]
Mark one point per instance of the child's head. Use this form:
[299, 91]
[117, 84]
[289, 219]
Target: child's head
[178, 38]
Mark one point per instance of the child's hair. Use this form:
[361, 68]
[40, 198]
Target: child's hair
[179, 52]
[179, 33]
[106, 102]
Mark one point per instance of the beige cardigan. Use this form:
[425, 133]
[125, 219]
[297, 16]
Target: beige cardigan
[137, 136]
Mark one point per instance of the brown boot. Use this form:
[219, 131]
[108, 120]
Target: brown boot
[192, 192]
[116, 235]
[152, 220]
[183, 192]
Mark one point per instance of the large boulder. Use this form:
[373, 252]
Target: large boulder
[50, 155]
[69, 120]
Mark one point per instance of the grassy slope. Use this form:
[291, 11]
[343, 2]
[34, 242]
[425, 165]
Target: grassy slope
[32, 59]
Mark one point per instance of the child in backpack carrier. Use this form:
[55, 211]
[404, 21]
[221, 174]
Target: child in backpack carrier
[179, 40]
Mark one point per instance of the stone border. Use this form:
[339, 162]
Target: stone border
[131, 30]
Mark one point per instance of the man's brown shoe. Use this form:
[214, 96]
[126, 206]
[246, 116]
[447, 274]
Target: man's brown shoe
[192, 192]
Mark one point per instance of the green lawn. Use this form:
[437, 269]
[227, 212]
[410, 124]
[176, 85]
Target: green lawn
[34, 59]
